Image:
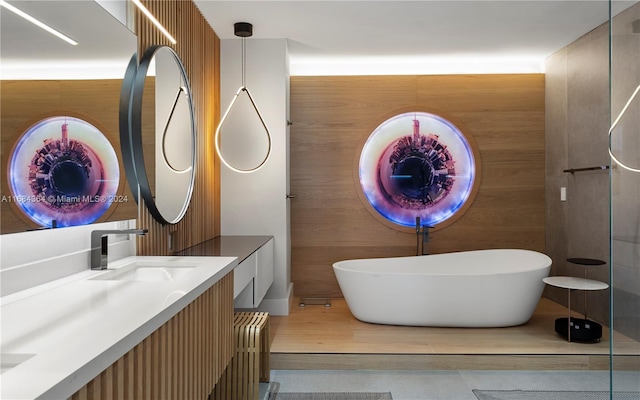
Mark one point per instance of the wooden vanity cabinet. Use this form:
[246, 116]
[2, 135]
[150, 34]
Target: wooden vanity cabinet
[183, 359]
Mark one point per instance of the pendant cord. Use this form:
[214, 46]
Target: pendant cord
[244, 62]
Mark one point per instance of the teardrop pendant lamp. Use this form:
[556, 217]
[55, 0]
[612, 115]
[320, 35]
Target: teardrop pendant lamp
[242, 30]
[613, 126]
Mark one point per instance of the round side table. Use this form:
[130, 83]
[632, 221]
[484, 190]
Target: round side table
[586, 262]
[576, 328]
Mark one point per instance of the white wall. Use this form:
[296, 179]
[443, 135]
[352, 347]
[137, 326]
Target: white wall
[28, 259]
[256, 203]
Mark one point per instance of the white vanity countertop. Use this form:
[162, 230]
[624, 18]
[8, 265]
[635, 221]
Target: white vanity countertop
[77, 328]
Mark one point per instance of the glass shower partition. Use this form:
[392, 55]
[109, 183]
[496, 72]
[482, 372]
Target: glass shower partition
[624, 142]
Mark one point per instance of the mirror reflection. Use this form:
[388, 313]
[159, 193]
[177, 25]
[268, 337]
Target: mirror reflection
[162, 134]
[61, 157]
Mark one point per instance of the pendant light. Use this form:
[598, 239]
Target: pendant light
[242, 30]
[613, 126]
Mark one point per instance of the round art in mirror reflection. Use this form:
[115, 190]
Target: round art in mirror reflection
[417, 164]
[162, 135]
[63, 169]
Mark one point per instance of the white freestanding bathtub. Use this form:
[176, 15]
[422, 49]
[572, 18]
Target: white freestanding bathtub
[483, 288]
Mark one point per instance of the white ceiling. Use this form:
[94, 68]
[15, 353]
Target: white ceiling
[104, 47]
[334, 37]
[325, 37]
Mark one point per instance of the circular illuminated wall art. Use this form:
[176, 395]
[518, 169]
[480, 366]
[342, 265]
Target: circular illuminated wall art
[417, 164]
[64, 169]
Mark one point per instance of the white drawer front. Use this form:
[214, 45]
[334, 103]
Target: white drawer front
[264, 272]
[243, 274]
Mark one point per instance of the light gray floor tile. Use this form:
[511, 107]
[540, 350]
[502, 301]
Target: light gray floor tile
[626, 381]
[447, 385]
[404, 385]
[537, 380]
[428, 385]
[323, 381]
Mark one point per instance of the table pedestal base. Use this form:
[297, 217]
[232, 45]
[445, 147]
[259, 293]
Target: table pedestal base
[582, 330]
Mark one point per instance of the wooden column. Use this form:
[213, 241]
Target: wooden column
[199, 49]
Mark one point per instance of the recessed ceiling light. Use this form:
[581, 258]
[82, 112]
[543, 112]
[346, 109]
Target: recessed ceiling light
[37, 22]
[153, 19]
[417, 65]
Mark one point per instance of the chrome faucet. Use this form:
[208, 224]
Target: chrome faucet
[422, 234]
[100, 244]
[418, 250]
[425, 238]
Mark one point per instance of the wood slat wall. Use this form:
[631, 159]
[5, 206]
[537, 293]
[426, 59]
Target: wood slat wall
[199, 49]
[332, 118]
[183, 359]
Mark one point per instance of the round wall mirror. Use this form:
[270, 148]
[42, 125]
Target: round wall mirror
[161, 157]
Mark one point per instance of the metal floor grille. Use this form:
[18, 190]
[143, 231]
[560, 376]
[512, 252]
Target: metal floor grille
[315, 301]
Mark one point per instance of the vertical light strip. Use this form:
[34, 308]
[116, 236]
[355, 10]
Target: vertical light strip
[153, 19]
[34, 21]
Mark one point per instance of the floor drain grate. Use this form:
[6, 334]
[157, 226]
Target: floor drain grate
[315, 301]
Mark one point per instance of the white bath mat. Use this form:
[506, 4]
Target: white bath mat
[331, 396]
[551, 395]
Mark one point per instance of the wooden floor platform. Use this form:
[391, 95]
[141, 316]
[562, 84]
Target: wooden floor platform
[319, 337]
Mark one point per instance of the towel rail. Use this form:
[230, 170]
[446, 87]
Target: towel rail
[598, 168]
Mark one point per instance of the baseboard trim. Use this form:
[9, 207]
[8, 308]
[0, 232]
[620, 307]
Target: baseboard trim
[278, 307]
[306, 361]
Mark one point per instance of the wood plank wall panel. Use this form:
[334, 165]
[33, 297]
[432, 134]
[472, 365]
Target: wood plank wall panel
[183, 359]
[332, 118]
[25, 102]
[199, 49]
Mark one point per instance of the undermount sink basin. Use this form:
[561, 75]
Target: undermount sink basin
[145, 273]
[12, 360]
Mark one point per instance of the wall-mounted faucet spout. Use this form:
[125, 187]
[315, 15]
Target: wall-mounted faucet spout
[418, 241]
[425, 238]
[100, 244]
[422, 236]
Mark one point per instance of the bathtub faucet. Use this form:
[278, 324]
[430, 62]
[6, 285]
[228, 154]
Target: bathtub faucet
[425, 238]
[422, 236]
